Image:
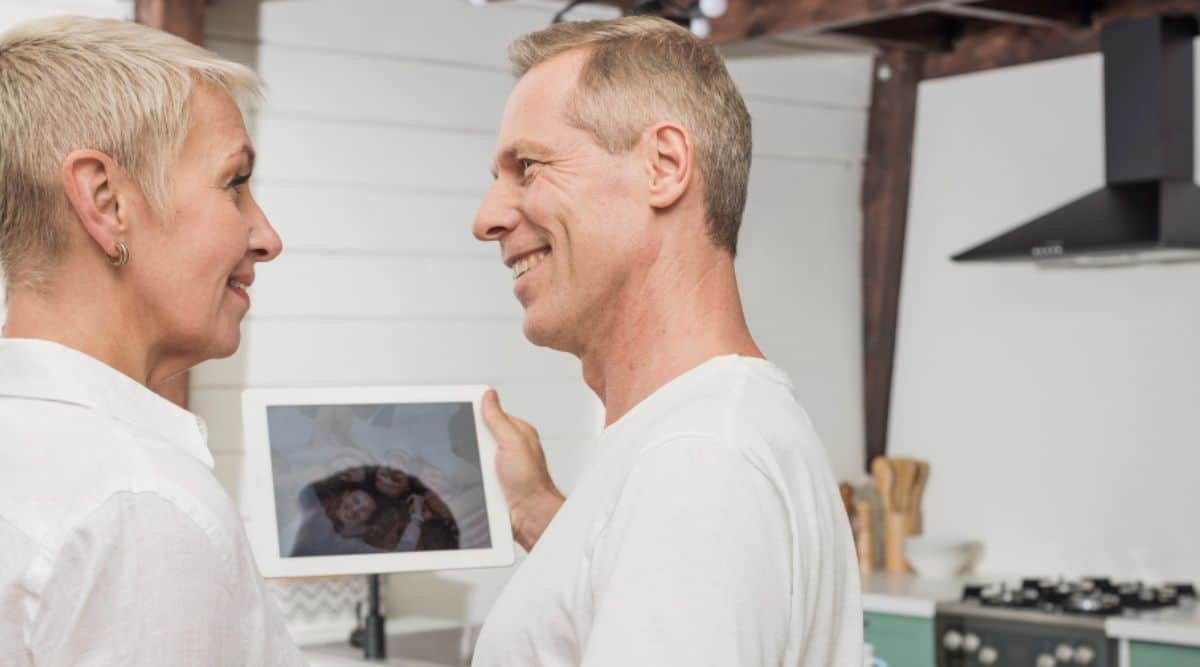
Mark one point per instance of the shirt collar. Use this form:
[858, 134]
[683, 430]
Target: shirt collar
[45, 370]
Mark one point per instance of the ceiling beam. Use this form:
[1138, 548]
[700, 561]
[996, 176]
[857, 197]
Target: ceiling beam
[1001, 16]
[753, 18]
[985, 47]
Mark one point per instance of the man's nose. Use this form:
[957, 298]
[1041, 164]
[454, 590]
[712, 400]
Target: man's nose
[497, 215]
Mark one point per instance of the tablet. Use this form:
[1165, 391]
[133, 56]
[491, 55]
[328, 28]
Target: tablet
[371, 480]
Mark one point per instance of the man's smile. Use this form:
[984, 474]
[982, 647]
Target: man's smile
[526, 262]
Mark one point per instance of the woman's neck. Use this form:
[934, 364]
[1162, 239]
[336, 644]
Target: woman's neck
[79, 320]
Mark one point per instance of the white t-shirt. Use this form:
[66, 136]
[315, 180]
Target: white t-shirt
[117, 544]
[709, 531]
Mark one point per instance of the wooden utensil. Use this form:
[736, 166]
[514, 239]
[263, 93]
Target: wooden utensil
[897, 527]
[919, 481]
[905, 472]
[864, 535]
[881, 468]
[900, 482]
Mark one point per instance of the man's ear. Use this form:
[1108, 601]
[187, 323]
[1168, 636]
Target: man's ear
[89, 179]
[672, 157]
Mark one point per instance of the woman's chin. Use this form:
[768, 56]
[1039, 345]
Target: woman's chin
[214, 345]
[228, 345]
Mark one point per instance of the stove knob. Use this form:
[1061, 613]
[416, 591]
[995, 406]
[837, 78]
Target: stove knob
[987, 656]
[1046, 660]
[1084, 655]
[970, 642]
[1064, 653]
[952, 640]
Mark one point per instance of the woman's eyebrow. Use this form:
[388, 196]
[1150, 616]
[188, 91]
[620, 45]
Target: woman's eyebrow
[246, 150]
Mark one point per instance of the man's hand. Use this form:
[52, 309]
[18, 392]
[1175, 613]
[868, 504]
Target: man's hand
[533, 500]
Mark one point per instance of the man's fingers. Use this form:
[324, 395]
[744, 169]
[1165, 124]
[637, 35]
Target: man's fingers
[500, 424]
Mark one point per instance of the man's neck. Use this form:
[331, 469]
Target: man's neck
[685, 319]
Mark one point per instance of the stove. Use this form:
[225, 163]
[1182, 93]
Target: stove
[1044, 622]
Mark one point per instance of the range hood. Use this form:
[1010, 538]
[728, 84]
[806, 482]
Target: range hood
[1149, 209]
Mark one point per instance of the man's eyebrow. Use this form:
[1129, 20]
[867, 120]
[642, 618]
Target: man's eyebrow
[528, 146]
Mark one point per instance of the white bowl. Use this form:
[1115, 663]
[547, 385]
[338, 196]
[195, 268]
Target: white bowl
[940, 557]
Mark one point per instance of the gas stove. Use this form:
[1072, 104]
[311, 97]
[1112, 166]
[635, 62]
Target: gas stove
[1044, 622]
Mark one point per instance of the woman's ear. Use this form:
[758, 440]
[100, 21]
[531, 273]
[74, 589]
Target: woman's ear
[89, 179]
[671, 157]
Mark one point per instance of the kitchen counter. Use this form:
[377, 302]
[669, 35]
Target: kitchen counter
[1168, 626]
[908, 594]
[411, 642]
[917, 597]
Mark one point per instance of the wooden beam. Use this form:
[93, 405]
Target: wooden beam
[885, 214]
[753, 18]
[987, 47]
[183, 18]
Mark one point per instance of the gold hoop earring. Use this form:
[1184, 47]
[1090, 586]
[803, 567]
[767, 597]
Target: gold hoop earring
[122, 257]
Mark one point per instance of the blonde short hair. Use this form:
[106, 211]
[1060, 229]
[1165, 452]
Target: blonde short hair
[70, 83]
[641, 70]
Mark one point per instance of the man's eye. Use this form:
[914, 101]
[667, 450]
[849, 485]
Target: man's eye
[239, 180]
[526, 165]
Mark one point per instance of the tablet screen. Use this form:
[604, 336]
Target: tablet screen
[376, 478]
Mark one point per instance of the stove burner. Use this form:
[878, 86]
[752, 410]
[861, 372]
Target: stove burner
[1094, 596]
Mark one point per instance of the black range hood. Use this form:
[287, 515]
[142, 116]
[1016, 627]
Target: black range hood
[1149, 209]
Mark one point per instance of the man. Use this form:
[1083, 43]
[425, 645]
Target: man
[709, 530]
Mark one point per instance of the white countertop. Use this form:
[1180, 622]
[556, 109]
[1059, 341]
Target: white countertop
[411, 642]
[908, 594]
[1167, 626]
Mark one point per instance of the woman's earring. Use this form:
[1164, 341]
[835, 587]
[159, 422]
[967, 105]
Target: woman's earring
[122, 257]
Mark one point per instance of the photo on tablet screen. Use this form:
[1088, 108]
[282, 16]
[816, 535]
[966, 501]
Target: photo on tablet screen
[376, 478]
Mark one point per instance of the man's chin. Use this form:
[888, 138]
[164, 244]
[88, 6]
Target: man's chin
[542, 334]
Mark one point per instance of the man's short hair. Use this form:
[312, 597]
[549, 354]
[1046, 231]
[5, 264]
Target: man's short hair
[641, 70]
[70, 83]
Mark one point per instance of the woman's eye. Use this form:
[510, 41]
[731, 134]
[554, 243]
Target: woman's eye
[239, 181]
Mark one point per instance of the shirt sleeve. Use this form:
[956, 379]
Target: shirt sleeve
[141, 582]
[693, 566]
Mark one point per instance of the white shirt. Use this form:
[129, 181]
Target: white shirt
[117, 544]
[709, 531]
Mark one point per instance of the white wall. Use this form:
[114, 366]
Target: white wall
[1057, 406]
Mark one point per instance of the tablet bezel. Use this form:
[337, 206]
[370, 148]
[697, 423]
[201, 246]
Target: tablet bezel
[260, 485]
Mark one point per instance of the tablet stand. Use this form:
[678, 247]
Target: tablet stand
[369, 635]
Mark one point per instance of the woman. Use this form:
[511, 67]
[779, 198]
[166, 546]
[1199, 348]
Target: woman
[128, 239]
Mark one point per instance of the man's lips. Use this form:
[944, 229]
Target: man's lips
[515, 257]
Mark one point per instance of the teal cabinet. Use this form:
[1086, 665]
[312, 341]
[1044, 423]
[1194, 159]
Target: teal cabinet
[901, 641]
[1146, 654]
